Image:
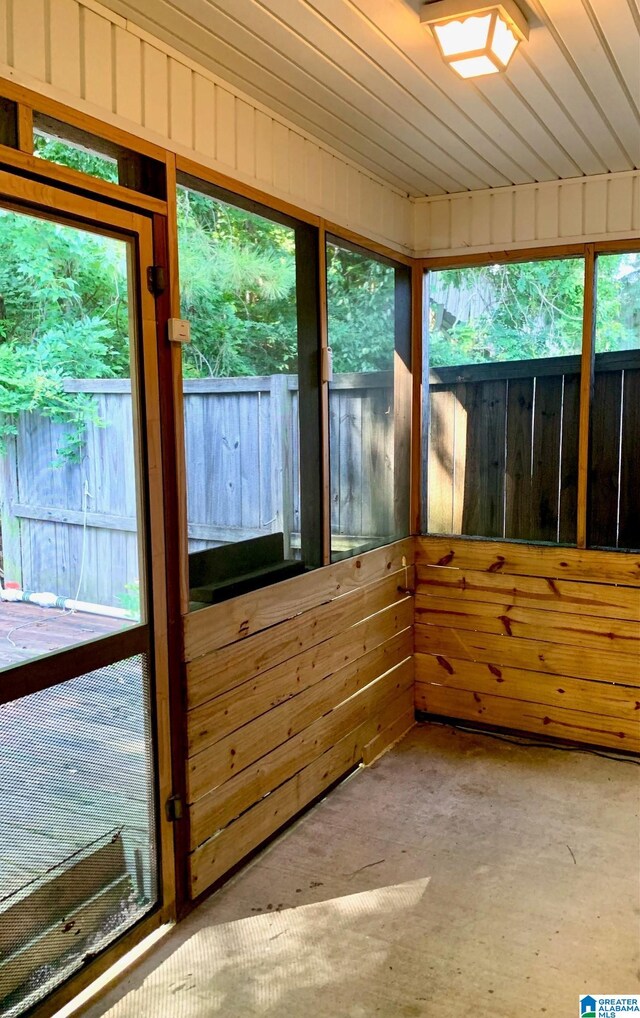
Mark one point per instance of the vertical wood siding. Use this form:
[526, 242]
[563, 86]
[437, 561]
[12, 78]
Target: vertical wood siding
[537, 639]
[91, 59]
[593, 208]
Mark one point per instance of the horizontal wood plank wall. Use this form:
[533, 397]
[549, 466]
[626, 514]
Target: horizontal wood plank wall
[604, 207]
[541, 639]
[81, 54]
[288, 688]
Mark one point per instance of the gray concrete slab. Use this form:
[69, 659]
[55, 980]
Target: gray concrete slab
[460, 875]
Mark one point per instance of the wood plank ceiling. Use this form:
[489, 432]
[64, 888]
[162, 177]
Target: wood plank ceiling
[366, 78]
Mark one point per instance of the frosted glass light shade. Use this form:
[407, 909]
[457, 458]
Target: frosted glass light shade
[456, 37]
[475, 41]
[504, 42]
[474, 67]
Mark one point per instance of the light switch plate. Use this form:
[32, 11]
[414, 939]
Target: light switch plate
[179, 330]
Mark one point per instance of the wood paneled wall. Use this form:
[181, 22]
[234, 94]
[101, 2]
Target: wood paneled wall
[81, 54]
[288, 688]
[604, 207]
[541, 639]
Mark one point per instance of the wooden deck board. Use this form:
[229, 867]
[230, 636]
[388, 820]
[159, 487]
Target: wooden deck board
[27, 631]
[73, 765]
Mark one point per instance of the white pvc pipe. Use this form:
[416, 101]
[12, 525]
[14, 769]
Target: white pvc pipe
[45, 599]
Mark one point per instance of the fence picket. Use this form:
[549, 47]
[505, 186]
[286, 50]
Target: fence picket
[545, 487]
[242, 452]
[605, 449]
[569, 460]
[518, 465]
[503, 442]
[629, 536]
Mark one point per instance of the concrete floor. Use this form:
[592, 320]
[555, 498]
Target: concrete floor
[460, 875]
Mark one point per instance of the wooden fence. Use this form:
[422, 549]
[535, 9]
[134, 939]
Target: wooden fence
[502, 450]
[71, 527]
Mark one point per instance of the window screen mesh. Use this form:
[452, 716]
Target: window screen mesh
[77, 832]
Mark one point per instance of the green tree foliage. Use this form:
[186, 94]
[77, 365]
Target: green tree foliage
[64, 303]
[63, 314]
[77, 158]
[522, 311]
[618, 304]
[237, 281]
[361, 306]
[238, 285]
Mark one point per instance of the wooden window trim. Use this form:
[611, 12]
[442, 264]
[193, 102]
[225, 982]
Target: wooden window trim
[588, 251]
[404, 352]
[36, 674]
[417, 486]
[540, 253]
[25, 128]
[83, 121]
[314, 506]
[152, 637]
[56, 174]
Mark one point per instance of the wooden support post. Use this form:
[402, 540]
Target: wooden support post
[172, 231]
[324, 395]
[8, 123]
[417, 327]
[176, 370]
[586, 392]
[312, 502]
[25, 128]
[281, 446]
[402, 401]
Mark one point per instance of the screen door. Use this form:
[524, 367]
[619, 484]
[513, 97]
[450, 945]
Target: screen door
[79, 831]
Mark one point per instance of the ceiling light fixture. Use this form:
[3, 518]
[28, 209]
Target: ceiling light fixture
[475, 40]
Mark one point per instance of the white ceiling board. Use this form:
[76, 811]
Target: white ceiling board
[399, 23]
[387, 117]
[620, 26]
[370, 56]
[365, 77]
[545, 51]
[526, 79]
[590, 55]
[553, 160]
[506, 106]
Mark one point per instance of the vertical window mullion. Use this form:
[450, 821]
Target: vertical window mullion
[312, 507]
[586, 391]
[402, 384]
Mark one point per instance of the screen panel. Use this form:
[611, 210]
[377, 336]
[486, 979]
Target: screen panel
[504, 345]
[78, 827]
[368, 314]
[613, 519]
[251, 394]
[71, 552]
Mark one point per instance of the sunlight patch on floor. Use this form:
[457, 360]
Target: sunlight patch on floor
[310, 955]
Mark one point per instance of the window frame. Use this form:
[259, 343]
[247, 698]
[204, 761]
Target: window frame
[307, 264]
[590, 252]
[402, 384]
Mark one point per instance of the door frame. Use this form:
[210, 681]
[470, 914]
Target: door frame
[47, 201]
